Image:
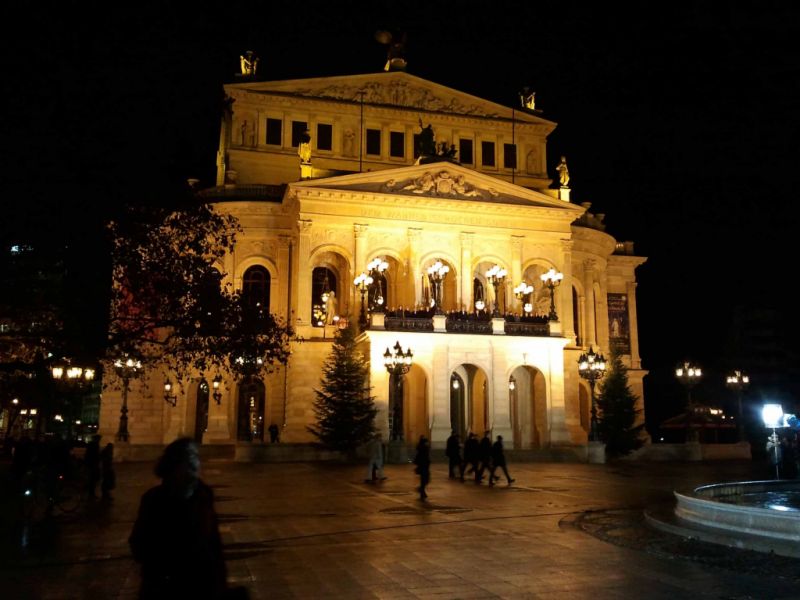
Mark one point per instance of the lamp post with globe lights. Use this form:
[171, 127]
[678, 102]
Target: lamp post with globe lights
[689, 376]
[738, 382]
[436, 274]
[397, 363]
[74, 380]
[772, 414]
[126, 369]
[376, 268]
[523, 292]
[363, 283]
[496, 276]
[551, 280]
[592, 367]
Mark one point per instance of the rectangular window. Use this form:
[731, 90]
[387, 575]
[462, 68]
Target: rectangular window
[324, 136]
[298, 129]
[465, 152]
[510, 156]
[487, 154]
[374, 142]
[397, 144]
[274, 132]
[416, 145]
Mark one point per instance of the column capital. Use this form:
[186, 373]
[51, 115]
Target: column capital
[566, 245]
[589, 265]
[414, 234]
[304, 226]
[516, 241]
[360, 230]
[467, 237]
[284, 241]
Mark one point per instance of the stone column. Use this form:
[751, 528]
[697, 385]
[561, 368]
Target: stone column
[567, 320]
[557, 419]
[501, 404]
[301, 298]
[602, 312]
[414, 235]
[282, 304]
[633, 322]
[466, 299]
[439, 410]
[516, 273]
[591, 305]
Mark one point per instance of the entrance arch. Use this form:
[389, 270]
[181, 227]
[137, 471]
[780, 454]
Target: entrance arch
[201, 411]
[528, 400]
[415, 404]
[250, 421]
[470, 400]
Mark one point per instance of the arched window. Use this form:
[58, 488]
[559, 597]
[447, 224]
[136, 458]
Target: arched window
[255, 286]
[323, 281]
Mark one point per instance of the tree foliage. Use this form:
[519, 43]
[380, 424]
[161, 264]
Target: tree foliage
[344, 409]
[618, 412]
[170, 305]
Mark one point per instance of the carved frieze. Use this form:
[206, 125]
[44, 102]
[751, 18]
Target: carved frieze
[442, 184]
[397, 93]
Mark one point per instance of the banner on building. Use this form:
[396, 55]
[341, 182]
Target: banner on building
[619, 329]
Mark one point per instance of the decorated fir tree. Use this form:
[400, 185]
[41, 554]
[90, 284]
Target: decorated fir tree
[618, 412]
[344, 408]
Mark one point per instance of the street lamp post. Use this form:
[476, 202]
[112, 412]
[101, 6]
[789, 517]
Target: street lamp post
[362, 283]
[551, 280]
[125, 370]
[689, 375]
[216, 383]
[74, 378]
[592, 367]
[773, 418]
[436, 274]
[738, 382]
[523, 292]
[496, 276]
[397, 363]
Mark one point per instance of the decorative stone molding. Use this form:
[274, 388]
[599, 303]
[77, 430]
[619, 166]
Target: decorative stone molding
[304, 226]
[439, 183]
[360, 230]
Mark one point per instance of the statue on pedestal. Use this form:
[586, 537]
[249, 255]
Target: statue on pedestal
[563, 172]
[304, 149]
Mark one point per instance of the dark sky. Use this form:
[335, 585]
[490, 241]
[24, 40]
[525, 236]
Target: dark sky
[681, 127]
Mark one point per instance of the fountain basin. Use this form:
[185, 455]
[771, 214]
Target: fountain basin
[760, 515]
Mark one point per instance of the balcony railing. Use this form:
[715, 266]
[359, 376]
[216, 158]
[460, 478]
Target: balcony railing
[475, 324]
[408, 323]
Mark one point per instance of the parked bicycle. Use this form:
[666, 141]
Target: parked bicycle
[43, 492]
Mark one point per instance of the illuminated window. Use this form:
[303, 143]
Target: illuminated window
[255, 286]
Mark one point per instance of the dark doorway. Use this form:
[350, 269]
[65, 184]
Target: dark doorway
[201, 412]
[251, 411]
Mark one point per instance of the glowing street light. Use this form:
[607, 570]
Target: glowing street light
[125, 369]
[496, 276]
[215, 384]
[436, 274]
[772, 414]
[738, 382]
[689, 375]
[375, 268]
[362, 283]
[397, 363]
[169, 397]
[592, 367]
[551, 280]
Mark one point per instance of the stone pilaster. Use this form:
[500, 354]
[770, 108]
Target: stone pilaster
[567, 317]
[466, 299]
[360, 232]
[602, 313]
[301, 298]
[591, 304]
[515, 305]
[414, 235]
[282, 304]
[636, 359]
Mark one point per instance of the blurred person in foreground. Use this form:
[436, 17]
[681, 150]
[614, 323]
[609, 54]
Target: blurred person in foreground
[176, 535]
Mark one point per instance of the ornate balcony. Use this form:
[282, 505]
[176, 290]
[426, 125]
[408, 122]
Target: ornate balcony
[466, 323]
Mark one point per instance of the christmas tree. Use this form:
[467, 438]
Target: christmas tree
[344, 409]
[617, 404]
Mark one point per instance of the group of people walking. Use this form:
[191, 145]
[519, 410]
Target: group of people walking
[480, 456]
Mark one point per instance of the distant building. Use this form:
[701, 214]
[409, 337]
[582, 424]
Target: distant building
[328, 174]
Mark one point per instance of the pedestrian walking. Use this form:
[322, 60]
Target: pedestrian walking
[274, 433]
[92, 460]
[423, 462]
[176, 535]
[499, 460]
[453, 453]
[107, 471]
[375, 466]
[485, 455]
[472, 455]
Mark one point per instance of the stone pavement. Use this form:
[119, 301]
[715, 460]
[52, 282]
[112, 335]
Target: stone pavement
[315, 530]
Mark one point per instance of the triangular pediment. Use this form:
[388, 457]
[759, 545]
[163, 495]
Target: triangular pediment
[394, 88]
[439, 180]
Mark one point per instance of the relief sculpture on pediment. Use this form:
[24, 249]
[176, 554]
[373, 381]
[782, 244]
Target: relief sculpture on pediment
[443, 184]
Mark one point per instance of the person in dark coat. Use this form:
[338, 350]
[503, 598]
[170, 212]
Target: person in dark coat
[453, 452]
[423, 462]
[107, 471]
[472, 455]
[274, 433]
[92, 460]
[485, 455]
[499, 460]
[176, 535]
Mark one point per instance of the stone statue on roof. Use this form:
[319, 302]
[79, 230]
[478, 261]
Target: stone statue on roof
[563, 172]
[427, 140]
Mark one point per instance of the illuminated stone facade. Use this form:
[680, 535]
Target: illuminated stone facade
[363, 195]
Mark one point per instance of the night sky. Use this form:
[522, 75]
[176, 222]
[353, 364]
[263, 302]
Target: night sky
[681, 127]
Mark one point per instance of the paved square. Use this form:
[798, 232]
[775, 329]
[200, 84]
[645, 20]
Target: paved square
[315, 530]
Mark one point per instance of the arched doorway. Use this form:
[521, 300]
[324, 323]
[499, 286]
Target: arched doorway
[470, 400]
[527, 392]
[250, 422]
[415, 404]
[201, 411]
